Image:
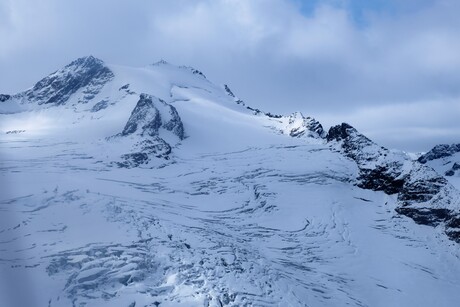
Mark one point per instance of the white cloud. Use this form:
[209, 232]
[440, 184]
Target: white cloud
[271, 53]
[415, 126]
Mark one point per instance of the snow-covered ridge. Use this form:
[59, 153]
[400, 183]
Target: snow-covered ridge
[155, 128]
[423, 194]
[440, 151]
[445, 159]
[88, 84]
[153, 186]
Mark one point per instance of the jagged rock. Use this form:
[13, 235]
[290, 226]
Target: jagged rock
[194, 71]
[381, 178]
[145, 115]
[124, 87]
[103, 104]
[160, 62]
[456, 166]
[425, 216]
[147, 118]
[229, 91]
[439, 151]
[299, 126]
[376, 171]
[453, 227]
[87, 74]
[421, 185]
[451, 172]
[354, 144]
[133, 159]
[423, 194]
[4, 97]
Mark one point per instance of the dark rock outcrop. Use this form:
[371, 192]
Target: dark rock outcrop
[103, 104]
[354, 144]
[148, 118]
[425, 216]
[382, 178]
[300, 126]
[229, 91]
[87, 74]
[439, 151]
[423, 195]
[4, 97]
[420, 186]
[455, 167]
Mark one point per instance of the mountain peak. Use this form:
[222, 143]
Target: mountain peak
[440, 151]
[86, 61]
[299, 125]
[87, 74]
[160, 62]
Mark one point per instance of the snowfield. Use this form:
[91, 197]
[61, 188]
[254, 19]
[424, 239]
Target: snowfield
[104, 202]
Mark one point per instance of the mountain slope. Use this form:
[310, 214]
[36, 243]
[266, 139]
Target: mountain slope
[162, 189]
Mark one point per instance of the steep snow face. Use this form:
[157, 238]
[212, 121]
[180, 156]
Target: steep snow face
[163, 189]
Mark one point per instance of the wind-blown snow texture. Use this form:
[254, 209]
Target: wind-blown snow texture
[154, 187]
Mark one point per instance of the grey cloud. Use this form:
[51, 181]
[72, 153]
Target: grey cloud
[271, 54]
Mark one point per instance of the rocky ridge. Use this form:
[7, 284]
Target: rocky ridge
[423, 195]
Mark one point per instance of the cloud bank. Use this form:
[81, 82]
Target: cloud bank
[389, 68]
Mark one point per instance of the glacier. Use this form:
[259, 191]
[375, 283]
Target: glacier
[152, 186]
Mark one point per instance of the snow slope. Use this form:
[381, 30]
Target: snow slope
[154, 187]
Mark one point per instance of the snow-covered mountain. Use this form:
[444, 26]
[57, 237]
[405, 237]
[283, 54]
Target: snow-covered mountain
[155, 187]
[443, 158]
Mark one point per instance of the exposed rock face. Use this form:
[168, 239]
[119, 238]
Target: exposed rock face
[229, 91]
[455, 167]
[355, 145]
[423, 194]
[254, 111]
[87, 74]
[151, 114]
[382, 178]
[376, 171]
[148, 118]
[439, 151]
[449, 156]
[299, 126]
[103, 104]
[4, 97]
[194, 71]
[421, 185]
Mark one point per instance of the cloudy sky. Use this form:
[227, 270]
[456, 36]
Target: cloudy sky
[391, 68]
